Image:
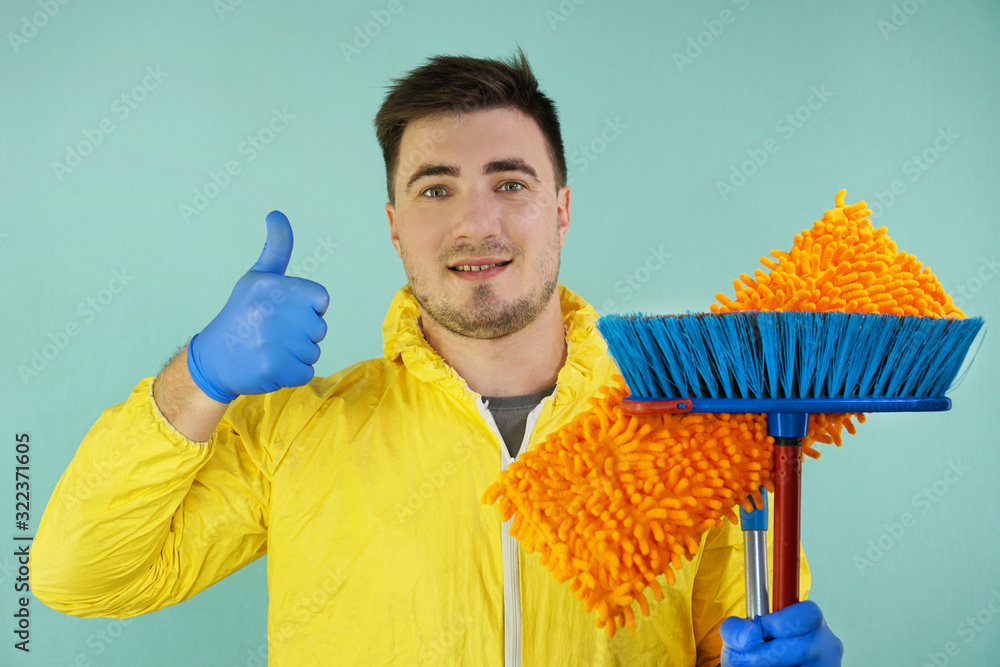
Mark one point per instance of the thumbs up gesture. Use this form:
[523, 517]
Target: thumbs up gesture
[266, 335]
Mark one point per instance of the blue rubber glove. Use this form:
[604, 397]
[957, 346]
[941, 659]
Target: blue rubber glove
[799, 637]
[266, 336]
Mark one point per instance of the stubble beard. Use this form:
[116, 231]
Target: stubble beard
[484, 315]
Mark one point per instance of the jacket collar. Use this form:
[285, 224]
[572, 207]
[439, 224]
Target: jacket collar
[404, 342]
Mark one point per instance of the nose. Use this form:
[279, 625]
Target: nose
[478, 217]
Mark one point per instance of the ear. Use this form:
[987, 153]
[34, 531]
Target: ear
[390, 211]
[562, 213]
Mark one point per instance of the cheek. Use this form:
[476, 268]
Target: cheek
[418, 244]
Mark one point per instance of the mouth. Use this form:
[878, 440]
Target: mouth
[478, 267]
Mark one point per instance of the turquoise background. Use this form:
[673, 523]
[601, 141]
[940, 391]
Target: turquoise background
[893, 78]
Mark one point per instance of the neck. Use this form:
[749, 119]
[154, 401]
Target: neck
[523, 362]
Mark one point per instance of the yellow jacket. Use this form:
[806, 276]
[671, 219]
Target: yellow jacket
[364, 490]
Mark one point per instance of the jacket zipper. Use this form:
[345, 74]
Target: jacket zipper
[508, 545]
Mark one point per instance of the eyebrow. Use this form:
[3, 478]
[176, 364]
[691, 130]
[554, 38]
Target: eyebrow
[432, 170]
[509, 164]
[493, 167]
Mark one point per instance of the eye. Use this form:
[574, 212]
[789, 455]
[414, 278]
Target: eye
[514, 186]
[435, 192]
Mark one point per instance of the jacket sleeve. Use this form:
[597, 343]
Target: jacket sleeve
[719, 589]
[144, 518]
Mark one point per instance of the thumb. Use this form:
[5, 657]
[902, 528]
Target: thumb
[794, 620]
[739, 634]
[278, 246]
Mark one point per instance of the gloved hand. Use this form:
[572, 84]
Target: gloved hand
[799, 637]
[266, 336]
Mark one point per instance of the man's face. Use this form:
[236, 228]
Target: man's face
[477, 220]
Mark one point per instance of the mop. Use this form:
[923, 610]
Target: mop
[613, 500]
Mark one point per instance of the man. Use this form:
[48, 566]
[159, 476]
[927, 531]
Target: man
[364, 487]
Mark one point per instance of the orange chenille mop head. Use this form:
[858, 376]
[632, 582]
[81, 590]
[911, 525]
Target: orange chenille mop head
[612, 501]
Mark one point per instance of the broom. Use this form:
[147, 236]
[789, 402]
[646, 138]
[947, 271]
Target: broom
[787, 365]
[611, 500]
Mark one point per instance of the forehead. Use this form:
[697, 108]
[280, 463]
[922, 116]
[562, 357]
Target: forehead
[473, 139]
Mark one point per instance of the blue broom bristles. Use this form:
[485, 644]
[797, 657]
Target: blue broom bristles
[787, 354]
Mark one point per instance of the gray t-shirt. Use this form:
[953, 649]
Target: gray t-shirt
[511, 415]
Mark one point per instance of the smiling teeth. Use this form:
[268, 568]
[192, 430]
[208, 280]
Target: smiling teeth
[466, 267]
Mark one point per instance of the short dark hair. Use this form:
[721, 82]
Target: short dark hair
[461, 84]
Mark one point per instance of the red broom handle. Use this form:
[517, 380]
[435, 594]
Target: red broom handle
[787, 511]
